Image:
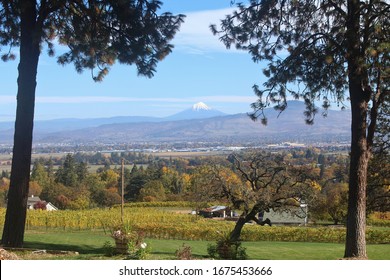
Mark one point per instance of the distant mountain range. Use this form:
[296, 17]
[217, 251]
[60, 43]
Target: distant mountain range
[199, 123]
[197, 111]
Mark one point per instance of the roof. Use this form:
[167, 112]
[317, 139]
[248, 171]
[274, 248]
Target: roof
[215, 208]
[33, 199]
[50, 206]
[296, 216]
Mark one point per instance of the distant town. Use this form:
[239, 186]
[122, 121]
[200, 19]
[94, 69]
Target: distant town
[185, 147]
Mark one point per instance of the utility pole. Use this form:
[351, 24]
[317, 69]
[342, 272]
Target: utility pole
[123, 190]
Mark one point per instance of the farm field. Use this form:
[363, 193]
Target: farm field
[167, 228]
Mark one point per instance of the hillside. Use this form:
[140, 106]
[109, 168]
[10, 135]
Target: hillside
[289, 126]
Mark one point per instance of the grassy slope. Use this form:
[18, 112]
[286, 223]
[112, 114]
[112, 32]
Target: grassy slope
[90, 246]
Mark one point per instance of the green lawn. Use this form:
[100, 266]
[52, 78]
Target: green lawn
[90, 245]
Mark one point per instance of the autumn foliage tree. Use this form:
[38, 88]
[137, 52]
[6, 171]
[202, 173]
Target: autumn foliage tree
[259, 183]
[329, 50]
[97, 34]
[378, 190]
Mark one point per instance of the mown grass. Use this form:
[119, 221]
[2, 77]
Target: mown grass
[90, 245]
[167, 229]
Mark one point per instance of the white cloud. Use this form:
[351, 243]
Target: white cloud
[230, 99]
[7, 99]
[99, 99]
[195, 36]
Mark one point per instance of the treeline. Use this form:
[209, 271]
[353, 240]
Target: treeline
[68, 182]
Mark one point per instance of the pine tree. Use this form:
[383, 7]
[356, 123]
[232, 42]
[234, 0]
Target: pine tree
[97, 33]
[67, 173]
[320, 50]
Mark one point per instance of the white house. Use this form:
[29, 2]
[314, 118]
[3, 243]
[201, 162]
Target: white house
[50, 207]
[32, 200]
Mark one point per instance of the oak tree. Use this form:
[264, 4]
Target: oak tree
[329, 50]
[268, 182]
[97, 33]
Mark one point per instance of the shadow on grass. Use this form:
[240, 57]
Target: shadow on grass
[82, 249]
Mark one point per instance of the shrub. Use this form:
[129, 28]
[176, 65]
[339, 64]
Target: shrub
[226, 249]
[184, 252]
[109, 250]
[40, 205]
[130, 241]
[138, 251]
[379, 219]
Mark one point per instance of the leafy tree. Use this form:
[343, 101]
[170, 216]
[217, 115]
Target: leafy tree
[40, 175]
[79, 197]
[58, 194]
[82, 170]
[34, 188]
[378, 189]
[67, 173]
[110, 178]
[107, 197]
[62, 201]
[172, 180]
[135, 182]
[98, 33]
[267, 183]
[202, 187]
[152, 191]
[50, 169]
[82, 202]
[94, 184]
[335, 202]
[319, 50]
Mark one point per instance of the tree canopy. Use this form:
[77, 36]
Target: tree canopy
[97, 33]
[265, 182]
[308, 45]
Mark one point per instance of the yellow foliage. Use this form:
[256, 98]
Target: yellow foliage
[315, 185]
[34, 188]
[4, 184]
[164, 170]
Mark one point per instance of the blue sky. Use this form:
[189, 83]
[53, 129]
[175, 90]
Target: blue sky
[199, 69]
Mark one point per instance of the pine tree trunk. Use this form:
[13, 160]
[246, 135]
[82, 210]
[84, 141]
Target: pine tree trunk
[359, 94]
[356, 221]
[13, 232]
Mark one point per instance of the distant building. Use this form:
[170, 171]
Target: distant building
[291, 216]
[34, 200]
[50, 207]
[31, 201]
[218, 211]
[297, 216]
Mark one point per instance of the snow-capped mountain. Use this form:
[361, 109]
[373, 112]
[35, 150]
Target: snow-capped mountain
[198, 111]
[200, 106]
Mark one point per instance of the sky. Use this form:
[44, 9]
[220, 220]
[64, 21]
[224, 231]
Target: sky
[200, 69]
